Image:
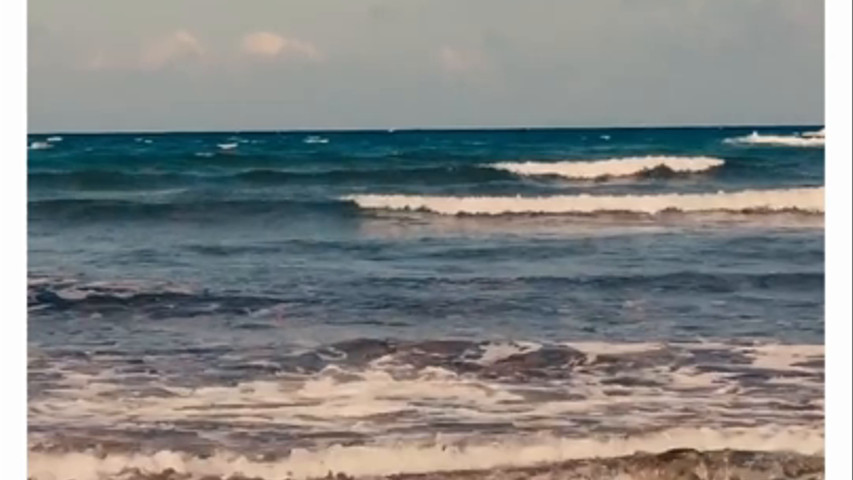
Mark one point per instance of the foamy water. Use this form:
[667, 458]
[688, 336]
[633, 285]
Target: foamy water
[413, 458]
[40, 146]
[802, 199]
[315, 139]
[618, 167]
[809, 139]
[429, 405]
[271, 314]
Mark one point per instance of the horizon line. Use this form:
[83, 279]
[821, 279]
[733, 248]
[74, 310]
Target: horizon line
[420, 129]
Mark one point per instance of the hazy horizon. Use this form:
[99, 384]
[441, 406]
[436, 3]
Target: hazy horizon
[424, 129]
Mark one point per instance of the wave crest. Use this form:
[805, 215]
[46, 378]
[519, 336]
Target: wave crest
[808, 139]
[40, 146]
[617, 167]
[810, 199]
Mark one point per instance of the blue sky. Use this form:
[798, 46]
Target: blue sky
[98, 65]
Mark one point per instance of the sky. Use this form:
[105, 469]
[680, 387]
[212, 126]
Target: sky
[106, 65]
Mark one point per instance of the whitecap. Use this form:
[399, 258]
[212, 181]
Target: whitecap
[40, 146]
[808, 199]
[616, 167]
[814, 139]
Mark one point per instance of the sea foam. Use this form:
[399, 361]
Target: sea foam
[40, 146]
[808, 139]
[809, 199]
[617, 167]
[371, 460]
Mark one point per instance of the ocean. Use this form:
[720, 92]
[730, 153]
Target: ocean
[293, 304]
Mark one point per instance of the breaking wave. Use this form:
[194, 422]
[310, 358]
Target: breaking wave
[618, 167]
[40, 146]
[809, 200]
[808, 139]
[437, 457]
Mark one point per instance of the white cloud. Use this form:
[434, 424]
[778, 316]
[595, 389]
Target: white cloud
[173, 48]
[267, 44]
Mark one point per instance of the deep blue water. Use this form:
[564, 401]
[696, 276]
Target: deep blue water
[266, 220]
[159, 262]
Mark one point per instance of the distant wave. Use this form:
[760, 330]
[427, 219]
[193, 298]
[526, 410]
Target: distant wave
[227, 146]
[810, 199]
[54, 139]
[617, 167]
[316, 139]
[110, 179]
[40, 146]
[808, 139]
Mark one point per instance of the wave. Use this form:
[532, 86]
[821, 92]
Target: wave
[54, 139]
[808, 139]
[797, 450]
[227, 146]
[618, 167]
[315, 139]
[423, 405]
[809, 200]
[113, 297]
[107, 179]
[200, 209]
[40, 146]
[102, 179]
[400, 175]
[59, 294]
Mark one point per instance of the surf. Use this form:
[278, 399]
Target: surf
[807, 139]
[382, 460]
[617, 167]
[809, 199]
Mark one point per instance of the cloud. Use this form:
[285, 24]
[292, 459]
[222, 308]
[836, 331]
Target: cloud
[176, 47]
[271, 45]
[456, 60]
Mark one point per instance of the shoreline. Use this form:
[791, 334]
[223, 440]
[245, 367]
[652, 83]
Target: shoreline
[674, 464]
